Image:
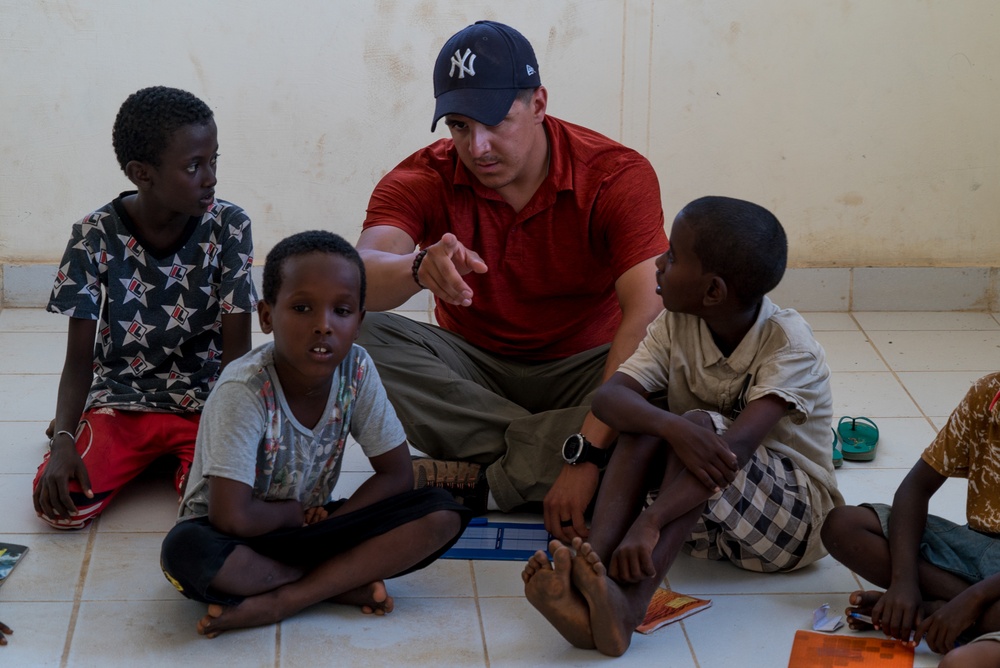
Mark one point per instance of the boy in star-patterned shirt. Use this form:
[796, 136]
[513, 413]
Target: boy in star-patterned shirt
[158, 290]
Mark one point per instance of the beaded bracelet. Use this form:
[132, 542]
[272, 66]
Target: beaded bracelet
[416, 267]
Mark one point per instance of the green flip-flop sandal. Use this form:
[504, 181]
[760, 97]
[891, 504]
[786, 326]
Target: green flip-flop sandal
[858, 438]
[838, 456]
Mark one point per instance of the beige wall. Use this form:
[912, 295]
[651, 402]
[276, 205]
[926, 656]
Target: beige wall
[868, 127]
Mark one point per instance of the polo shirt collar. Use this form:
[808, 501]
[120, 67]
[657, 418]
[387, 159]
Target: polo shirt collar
[746, 351]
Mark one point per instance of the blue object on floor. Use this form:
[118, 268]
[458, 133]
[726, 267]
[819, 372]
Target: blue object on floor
[500, 541]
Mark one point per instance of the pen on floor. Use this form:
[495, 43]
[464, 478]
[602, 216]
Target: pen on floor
[868, 620]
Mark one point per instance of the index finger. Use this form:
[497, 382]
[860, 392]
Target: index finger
[923, 629]
[443, 279]
[876, 613]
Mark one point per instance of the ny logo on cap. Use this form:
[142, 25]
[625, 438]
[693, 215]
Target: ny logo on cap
[458, 60]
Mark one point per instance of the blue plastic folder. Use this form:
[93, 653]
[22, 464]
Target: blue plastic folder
[500, 541]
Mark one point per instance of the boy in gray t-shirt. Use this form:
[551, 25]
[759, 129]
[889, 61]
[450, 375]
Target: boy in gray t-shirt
[258, 538]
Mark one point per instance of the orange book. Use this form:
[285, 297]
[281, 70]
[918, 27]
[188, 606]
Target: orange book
[823, 650]
[667, 607]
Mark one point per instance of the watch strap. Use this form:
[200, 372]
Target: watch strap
[595, 455]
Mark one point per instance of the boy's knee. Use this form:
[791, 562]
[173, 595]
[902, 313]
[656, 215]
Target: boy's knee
[973, 655]
[952, 659]
[833, 525]
[843, 522]
[444, 523]
[700, 418]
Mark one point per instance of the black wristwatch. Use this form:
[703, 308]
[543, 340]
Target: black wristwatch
[578, 450]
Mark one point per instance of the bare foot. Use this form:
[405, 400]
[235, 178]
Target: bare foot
[372, 598]
[862, 603]
[257, 610]
[548, 588]
[610, 616]
[205, 623]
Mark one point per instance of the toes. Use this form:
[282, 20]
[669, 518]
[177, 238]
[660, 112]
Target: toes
[539, 560]
[562, 560]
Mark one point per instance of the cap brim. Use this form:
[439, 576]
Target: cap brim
[488, 106]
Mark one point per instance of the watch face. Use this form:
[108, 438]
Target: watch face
[572, 448]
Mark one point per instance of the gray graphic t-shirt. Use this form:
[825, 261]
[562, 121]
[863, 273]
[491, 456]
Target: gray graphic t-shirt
[249, 434]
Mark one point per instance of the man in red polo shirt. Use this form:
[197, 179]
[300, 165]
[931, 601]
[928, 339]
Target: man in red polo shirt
[537, 238]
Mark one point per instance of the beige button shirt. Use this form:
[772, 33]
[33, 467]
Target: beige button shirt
[778, 356]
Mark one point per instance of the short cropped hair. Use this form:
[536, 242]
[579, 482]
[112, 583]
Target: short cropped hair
[740, 241]
[303, 243]
[524, 95]
[148, 118]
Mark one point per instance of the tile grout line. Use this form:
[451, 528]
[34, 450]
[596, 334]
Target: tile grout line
[690, 644]
[78, 594]
[277, 645]
[479, 612]
[895, 374]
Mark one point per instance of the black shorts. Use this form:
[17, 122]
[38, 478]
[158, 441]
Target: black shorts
[194, 550]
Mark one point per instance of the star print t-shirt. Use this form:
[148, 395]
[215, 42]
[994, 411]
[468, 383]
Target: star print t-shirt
[159, 339]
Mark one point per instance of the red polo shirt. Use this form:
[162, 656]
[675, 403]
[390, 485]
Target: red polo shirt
[549, 292]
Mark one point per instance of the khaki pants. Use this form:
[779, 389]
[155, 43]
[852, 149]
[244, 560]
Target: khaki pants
[459, 402]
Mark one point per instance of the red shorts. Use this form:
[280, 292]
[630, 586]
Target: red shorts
[116, 446]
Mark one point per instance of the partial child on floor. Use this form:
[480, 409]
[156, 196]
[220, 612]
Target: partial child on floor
[258, 538]
[942, 580]
[157, 288]
[739, 452]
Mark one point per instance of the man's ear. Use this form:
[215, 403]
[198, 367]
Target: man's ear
[717, 291]
[539, 103]
[264, 316]
[139, 173]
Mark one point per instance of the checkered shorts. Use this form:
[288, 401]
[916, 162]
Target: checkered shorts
[760, 522]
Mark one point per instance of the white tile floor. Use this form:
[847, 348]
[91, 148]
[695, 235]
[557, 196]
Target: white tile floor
[98, 598]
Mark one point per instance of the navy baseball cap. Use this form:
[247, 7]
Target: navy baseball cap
[480, 70]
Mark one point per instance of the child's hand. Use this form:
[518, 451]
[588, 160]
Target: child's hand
[314, 515]
[4, 632]
[633, 560]
[51, 496]
[942, 628]
[896, 613]
[704, 453]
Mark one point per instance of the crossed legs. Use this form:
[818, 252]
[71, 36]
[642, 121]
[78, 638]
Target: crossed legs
[854, 536]
[275, 591]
